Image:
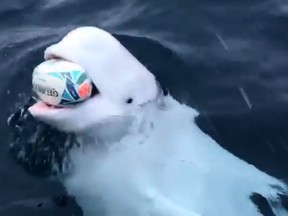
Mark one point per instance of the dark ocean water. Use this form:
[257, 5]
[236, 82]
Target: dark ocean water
[227, 59]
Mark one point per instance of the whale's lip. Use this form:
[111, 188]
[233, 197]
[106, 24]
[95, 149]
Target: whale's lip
[42, 107]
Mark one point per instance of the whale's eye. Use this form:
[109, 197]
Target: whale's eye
[129, 100]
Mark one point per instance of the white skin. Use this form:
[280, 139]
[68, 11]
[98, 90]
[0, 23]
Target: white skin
[146, 158]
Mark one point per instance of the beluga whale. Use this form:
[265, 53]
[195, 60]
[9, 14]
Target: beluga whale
[141, 152]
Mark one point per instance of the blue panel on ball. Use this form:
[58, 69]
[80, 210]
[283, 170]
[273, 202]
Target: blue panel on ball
[81, 78]
[65, 102]
[66, 96]
[66, 75]
[71, 89]
[57, 75]
[75, 75]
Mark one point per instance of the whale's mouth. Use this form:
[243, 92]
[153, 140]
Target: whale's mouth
[42, 106]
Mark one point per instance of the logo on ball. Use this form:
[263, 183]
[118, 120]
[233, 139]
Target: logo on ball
[47, 91]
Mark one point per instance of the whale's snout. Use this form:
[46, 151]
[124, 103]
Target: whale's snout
[122, 84]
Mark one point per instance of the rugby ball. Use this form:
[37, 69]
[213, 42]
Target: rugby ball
[60, 82]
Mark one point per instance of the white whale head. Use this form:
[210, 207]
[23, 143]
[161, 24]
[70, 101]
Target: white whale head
[123, 84]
